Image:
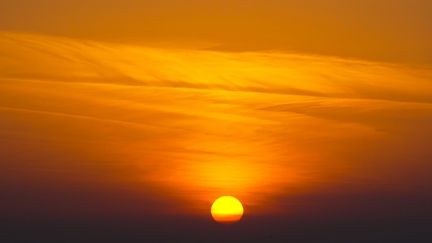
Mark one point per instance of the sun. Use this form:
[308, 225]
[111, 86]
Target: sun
[227, 209]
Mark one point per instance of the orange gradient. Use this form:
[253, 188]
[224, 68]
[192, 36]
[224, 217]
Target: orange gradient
[189, 125]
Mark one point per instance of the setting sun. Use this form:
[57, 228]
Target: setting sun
[227, 209]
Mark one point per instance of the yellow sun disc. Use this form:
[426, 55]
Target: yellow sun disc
[227, 209]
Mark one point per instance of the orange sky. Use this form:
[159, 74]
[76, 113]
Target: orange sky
[122, 121]
[184, 126]
[389, 30]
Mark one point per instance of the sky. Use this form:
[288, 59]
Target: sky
[124, 121]
[384, 30]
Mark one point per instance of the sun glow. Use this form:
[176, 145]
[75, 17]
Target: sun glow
[198, 124]
[227, 209]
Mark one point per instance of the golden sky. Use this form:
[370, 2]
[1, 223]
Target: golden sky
[129, 118]
[174, 128]
[384, 30]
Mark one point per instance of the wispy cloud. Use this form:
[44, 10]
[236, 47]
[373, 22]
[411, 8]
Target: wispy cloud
[200, 123]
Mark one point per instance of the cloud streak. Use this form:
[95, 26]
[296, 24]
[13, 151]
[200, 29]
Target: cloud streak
[195, 124]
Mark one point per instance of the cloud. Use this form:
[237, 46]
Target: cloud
[199, 123]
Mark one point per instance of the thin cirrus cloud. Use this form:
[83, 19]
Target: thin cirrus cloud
[190, 125]
[390, 30]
